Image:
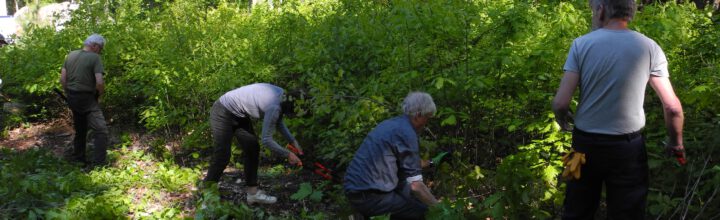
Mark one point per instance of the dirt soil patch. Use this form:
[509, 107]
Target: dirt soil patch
[57, 135]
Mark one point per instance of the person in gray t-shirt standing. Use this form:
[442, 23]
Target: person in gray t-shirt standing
[612, 66]
[231, 116]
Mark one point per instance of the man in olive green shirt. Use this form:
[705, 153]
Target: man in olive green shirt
[82, 80]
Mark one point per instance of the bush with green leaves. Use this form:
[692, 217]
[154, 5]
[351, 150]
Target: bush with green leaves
[492, 66]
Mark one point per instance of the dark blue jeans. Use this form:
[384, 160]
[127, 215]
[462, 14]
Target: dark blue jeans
[399, 203]
[618, 162]
[224, 126]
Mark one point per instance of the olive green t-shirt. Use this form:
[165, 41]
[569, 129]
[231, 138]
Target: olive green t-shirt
[81, 67]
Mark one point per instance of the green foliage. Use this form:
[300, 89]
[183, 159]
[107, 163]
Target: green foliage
[211, 207]
[306, 192]
[492, 67]
[446, 211]
[40, 185]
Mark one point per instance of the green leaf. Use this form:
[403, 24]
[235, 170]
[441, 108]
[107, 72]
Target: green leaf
[450, 120]
[478, 173]
[31, 215]
[439, 82]
[316, 196]
[498, 210]
[702, 88]
[302, 193]
[494, 198]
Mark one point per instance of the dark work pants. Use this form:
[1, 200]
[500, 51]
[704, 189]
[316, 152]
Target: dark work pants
[87, 114]
[224, 126]
[399, 203]
[618, 162]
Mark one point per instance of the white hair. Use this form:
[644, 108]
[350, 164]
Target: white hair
[94, 39]
[418, 102]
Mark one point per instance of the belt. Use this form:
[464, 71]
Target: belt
[364, 193]
[79, 92]
[628, 136]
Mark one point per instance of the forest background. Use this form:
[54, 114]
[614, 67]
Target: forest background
[492, 66]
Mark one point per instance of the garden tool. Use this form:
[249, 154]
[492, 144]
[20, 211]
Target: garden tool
[678, 153]
[572, 161]
[315, 167]
[60, 94]
[439, 158]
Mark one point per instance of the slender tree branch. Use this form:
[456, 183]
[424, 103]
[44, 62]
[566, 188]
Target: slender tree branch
[707, 203]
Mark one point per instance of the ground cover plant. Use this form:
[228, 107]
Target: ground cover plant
[492, 66]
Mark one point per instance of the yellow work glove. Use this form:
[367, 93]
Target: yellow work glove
[572, 161]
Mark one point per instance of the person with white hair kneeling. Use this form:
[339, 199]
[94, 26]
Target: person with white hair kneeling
[385, 175]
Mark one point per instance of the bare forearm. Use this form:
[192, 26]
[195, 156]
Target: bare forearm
[561, 102]
[674, 120]
[101, 89]
[99, 84]
[672, 109]
[63, 78]
[422, 192]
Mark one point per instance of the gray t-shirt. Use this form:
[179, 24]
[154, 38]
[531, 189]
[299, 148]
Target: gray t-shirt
[389, 154]
[614, 68]
[260, 100]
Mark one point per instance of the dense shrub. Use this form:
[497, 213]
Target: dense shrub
[492, 66]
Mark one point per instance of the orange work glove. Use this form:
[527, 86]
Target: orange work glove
[572, 161]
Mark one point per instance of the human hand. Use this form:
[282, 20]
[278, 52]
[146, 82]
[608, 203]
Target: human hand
[564, 121]
[678, 152]
[297, 146]
[294, 160]
[425, 163]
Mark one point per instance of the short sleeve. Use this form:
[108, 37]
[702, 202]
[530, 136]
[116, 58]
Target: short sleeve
[658, 62]
[98, 67]
[571, 63]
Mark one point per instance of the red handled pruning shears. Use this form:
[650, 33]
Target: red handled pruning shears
[316, 167]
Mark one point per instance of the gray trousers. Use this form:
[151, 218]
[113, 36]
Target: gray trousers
[87, 115]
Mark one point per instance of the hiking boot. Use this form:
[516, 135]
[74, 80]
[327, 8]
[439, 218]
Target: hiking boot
[260, 197]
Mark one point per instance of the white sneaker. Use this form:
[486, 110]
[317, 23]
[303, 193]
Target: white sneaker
[260, 197]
